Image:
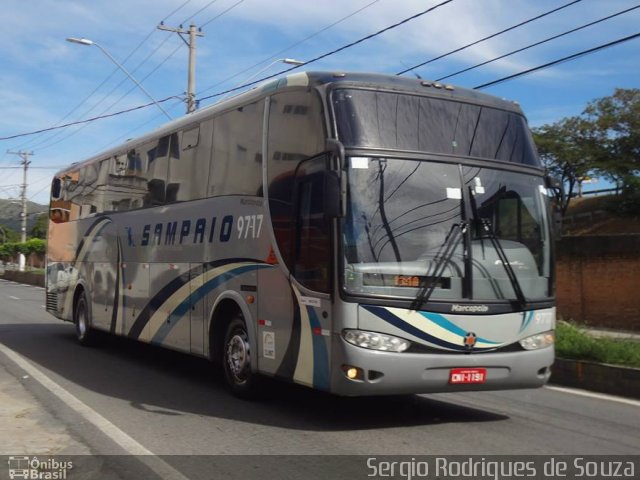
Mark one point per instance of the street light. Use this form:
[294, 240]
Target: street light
[86, 41]
[289, 61]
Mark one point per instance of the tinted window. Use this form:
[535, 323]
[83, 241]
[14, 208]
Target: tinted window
[296, 132]
[236, 165]
[313, 252]
[158, 168]
[187, 172]
[410, 122]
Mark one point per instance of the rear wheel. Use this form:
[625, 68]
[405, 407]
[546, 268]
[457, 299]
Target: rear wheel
[236, 360]
[82, 321]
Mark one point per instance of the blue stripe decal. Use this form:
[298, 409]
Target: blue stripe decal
[183, 308]
[320, 354]
[386, 315]
[526, 319]
[452, 327]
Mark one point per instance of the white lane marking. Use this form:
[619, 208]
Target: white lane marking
[127, 443]
[600, 396]
[13, 298]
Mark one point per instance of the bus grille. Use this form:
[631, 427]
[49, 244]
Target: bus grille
[52, 301]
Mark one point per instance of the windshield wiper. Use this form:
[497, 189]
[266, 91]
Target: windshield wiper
[440, 260]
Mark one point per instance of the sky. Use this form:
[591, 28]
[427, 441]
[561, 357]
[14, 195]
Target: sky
[49, 82]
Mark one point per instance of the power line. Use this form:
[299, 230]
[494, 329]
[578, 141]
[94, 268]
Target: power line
[337, 50]
[176, 11]
[286, 49]
[513, 27]
[199, 11]
[113, 104]
[132, 109]
[95, 90]
[127, 135]
[331, 53]
[104, 115]
[538, 43]
[556, 62]
[222, 13]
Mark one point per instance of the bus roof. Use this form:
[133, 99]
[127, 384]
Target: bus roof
[313, 79]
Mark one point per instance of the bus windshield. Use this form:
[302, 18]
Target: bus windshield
[404, 216]
[399, 121]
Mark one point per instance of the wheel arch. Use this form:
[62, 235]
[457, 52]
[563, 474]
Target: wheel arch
[79, 289]
[224, 308]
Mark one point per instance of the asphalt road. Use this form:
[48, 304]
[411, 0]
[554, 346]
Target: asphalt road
[173, 404]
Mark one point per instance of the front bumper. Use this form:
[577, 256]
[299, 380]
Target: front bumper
[388, 373]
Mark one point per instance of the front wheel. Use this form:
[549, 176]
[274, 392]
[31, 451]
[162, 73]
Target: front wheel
[236, 360]
[84, 333]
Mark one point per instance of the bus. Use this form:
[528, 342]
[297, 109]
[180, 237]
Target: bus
[360, 234]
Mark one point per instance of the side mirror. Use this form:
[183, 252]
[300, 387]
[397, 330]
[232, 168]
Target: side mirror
[56, 189]
[555, 186]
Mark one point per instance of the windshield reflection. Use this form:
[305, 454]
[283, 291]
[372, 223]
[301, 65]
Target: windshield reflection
[400, 217]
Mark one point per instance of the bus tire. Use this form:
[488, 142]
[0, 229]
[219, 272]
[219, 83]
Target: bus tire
[236, 360]
[82, 321]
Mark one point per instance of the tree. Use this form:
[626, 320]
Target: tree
[616, 122]
[604, 139]
[8, 235]
[566, 149]
[39, 230]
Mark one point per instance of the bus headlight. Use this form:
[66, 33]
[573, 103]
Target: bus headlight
[540, 340]
[376, 341]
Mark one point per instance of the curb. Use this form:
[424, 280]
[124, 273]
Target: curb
[24, 277]
[597, 377]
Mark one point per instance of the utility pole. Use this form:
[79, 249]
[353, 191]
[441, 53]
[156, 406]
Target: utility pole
[193, 32]
[24, 160]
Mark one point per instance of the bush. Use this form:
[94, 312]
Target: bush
[10, 250]
[575, 343]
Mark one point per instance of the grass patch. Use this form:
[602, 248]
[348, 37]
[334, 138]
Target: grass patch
[575, 343]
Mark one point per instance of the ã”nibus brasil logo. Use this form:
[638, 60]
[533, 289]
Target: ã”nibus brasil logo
[32, 468]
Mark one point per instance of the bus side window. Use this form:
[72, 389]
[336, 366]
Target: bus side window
[313, 251]
[236, 165]
[295, 133]
[157, 170]
[187, 177]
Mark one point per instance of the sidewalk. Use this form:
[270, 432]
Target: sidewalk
[615, 334]
[26, 427]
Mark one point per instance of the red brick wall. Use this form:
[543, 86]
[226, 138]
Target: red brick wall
[598, 281]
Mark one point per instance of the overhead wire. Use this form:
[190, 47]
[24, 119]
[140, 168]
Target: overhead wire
[332, 52]
[488, 37]
[47, 143]
[560, 60]
[293, 45]
[87, 120]
[224, 12]
[546, 40]
[199, 11]
[564, 59]
[109, 77]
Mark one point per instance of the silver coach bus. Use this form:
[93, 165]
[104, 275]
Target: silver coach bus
[356, 233]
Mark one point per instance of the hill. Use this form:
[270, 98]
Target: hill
[597, 216]
[10, 213]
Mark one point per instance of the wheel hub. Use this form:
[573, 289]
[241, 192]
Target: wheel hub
[237, 356]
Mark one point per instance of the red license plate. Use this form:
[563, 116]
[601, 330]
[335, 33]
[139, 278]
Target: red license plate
[467, 375]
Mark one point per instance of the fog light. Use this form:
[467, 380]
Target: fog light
[538, 341]
[353, 373]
